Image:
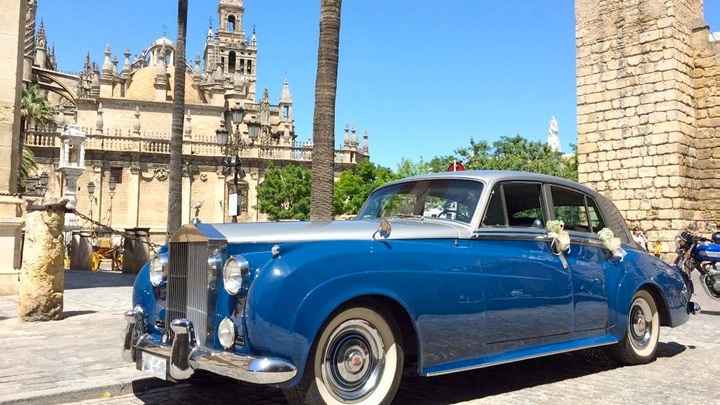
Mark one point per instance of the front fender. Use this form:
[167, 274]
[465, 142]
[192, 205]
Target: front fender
[294, 294]
[147, 297]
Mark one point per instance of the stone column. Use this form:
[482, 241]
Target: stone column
[42, 279]
[133, 196]
[12, 25]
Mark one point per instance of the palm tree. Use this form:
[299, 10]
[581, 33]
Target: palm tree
[34, 108]
[174, 215]
[323, 157]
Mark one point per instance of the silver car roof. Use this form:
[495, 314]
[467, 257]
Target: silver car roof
[491, 177]
[613, 218]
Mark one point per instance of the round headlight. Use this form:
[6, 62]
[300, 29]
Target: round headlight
[157, 270]
[226, 333]
[233, 273]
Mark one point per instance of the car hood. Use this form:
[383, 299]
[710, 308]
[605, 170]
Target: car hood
[269, 232]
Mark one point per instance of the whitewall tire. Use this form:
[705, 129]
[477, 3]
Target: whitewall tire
[642, 332]
[357, 359]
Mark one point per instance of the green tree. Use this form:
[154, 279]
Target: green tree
[323, 157]
[285, 193]
[174, 214]
[355, 185]
[27, 165]
[34, 108]
[518, 153]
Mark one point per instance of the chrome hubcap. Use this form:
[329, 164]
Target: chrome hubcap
[353, 361]
[641, 326]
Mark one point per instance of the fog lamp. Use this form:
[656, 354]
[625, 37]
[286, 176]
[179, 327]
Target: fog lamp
[157, 270]
[226, 333]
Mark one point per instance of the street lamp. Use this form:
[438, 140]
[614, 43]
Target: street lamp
[232, 165]
[91, 196]
[111, 187]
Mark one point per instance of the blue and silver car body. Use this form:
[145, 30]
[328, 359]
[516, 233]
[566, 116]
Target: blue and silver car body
[465, 295]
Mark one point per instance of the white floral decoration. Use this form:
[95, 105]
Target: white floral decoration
[612, 243]
[556, 231]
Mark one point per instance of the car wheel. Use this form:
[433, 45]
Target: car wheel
[358, 359]
[639, 346]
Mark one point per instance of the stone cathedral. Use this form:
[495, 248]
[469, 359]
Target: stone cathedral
[124, 107]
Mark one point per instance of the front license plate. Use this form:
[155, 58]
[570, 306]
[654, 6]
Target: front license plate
[154, 365]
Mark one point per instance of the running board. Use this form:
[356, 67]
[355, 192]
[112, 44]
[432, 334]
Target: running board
[519, 355]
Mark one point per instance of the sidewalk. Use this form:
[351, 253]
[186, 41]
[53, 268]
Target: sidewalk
[79, 354]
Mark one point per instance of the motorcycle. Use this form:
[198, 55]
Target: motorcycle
[695, 252]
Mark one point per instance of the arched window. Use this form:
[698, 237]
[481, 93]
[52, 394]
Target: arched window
[231, 23]
[232, 61]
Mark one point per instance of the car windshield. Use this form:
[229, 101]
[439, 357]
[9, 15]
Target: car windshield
[453, 200]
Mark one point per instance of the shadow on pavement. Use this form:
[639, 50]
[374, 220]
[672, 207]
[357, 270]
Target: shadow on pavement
[449, 389]
[502, 379]
[70, 314]
[75, 279]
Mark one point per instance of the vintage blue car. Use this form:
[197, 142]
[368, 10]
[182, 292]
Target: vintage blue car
[440, 273]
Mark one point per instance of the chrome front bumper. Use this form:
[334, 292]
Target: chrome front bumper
[184, 356]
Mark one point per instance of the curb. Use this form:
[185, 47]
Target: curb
[96, 392]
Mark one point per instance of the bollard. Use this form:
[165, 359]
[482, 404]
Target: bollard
[42, 276]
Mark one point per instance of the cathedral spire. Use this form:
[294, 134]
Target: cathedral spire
[127, 65]
[42, 38]
[286, 96]
[107, 62]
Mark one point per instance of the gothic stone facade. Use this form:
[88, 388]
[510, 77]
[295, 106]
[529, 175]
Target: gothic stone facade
[648, 94]
[126, 112]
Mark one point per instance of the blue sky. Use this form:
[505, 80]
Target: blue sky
[421, 76]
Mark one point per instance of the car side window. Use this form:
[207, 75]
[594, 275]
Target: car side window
[569, 207]
[596, 221]
[517, 205]
[524, 205]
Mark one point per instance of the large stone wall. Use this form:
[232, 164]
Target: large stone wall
[647, 98]
[12, 23]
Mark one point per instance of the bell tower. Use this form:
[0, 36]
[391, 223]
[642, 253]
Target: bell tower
[230, 57]
[230, 16]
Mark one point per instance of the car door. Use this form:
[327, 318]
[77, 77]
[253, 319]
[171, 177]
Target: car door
[528, 291]
[587, 259]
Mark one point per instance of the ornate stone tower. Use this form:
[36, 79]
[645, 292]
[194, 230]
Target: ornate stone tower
[229, 57]
[648, 115]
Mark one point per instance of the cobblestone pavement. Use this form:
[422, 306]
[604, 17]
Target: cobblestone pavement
[79, 352]
[83, 354]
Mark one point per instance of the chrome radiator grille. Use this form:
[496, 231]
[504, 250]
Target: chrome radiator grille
[188, 286]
